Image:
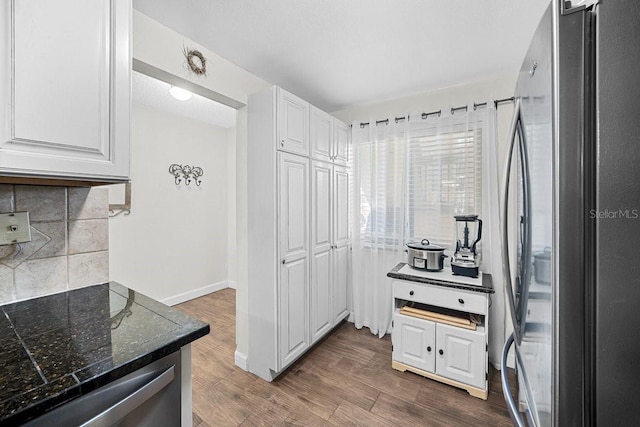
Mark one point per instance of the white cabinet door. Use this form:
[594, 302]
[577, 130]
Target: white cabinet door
[321, 263]
[340, 282]
[341, 242]
[322, 134]
[341, 143]
[65, 88]
[293, 206]
[293, 294]
[293, 319]
[414, 342]
[293, 123]
[461, 355]
[341, 206]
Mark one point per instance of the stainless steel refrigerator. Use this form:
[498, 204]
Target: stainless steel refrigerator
[575, 143]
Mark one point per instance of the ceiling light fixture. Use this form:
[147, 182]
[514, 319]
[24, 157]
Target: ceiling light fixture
[179, 93]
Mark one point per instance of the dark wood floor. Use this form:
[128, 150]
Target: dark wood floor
[346, 380]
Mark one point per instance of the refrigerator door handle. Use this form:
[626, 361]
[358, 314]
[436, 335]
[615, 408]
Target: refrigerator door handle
[525, 263]
[506, 267]
[506, 390]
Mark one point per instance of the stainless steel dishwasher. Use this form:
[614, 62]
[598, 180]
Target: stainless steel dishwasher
[150, 396]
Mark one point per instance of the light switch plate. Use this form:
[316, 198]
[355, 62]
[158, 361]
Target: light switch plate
[14, 228]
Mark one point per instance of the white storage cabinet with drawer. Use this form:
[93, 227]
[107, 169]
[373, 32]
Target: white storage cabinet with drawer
[437, 350]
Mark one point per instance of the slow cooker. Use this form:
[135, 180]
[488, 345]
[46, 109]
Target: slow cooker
[425, 256]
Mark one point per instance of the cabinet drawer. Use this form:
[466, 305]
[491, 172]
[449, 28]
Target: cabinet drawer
[456, 299]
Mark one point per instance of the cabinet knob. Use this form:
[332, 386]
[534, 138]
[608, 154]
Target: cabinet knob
[429, 349]
[282, 143]
[440, 352]
[283, 260]
[460, 300]
[410, 292]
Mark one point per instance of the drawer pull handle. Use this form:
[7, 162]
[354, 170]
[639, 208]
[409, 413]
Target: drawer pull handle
[440, 352]
[410, 292]
[429, 349]
[460, 300]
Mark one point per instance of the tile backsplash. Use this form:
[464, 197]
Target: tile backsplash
[69, 245]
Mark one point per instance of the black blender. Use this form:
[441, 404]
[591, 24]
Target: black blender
[466, 260]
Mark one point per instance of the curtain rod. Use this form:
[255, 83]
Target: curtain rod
[496, 102]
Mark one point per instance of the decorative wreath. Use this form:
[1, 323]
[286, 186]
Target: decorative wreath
[196, 61]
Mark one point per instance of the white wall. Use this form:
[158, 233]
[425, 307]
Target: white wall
[455, 96]
[161, 47]
[174, 244]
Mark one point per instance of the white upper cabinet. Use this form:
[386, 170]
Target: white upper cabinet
[293, 123]
[322, 135]
[329, 138]
[341, 143]
[65, 89]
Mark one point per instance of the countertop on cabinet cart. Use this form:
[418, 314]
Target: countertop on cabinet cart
[444, 277]
[59, 347]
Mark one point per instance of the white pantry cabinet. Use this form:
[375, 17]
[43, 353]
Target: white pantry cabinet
[65, 70]
[298, 236]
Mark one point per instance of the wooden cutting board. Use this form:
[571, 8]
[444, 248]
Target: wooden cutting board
[460, 322]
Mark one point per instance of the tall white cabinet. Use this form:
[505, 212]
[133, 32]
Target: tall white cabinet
[298, 217]
[65, 89]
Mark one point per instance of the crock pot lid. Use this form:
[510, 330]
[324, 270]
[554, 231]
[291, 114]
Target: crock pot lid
[425, 245]
[545, 254]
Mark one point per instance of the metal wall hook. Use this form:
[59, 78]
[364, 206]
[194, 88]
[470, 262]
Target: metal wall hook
[186, 173]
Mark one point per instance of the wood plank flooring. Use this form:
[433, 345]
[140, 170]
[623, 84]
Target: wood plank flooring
[346, 380]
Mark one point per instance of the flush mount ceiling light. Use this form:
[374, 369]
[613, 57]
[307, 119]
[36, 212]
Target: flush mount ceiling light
[179, 93]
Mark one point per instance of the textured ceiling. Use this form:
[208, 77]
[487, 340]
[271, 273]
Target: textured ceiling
[338, 53]
[155, 93]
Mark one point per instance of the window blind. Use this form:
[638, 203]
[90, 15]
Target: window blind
[444, 178]
[411, 188]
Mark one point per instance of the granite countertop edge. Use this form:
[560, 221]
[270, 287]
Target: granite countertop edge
[487, 283]
[52, 402]
[80, 388]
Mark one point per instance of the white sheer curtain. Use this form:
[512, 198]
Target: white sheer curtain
[492, 246]
[410, 178]
[378, 232]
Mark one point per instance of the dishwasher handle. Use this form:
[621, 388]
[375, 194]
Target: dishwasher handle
[506, 390]
[128, 404]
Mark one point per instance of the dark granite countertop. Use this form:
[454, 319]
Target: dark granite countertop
[442, 278]
[59, 347]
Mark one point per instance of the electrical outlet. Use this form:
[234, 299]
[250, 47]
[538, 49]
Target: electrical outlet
[14, 228]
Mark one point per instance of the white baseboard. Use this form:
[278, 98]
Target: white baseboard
[241, 360]
[186, 296]
[232, 284]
